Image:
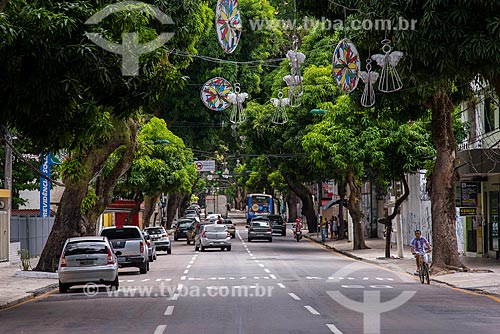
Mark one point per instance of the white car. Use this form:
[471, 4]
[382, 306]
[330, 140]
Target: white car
[213, 236]
[87, 260]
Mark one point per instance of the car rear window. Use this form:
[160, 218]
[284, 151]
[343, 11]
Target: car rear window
[215, 228]
[185, 225]
[85, 247]
[260, 223]
[157, 230]
[121, 233]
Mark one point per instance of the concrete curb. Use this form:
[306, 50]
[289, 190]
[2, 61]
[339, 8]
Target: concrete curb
[32, 294]
[35, 274]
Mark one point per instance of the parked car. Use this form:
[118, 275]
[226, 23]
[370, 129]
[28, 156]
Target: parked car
[213, 236]
[230, 227]
[278, 225]
[129, 245]
[151, 246]
[212, 218]
[184, 229]
[160, 238]
[260, 228]
[87, 260]
[191, 212]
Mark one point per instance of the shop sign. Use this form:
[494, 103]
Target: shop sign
[468, 194]
[468, 211]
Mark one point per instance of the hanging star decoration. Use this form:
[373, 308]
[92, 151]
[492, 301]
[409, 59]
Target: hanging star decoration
[280, 116]
[237, 99]
[389, 78]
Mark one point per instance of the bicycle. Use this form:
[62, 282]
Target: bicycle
[423, 268]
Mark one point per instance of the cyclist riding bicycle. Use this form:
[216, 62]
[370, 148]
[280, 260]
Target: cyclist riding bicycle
[419, 245]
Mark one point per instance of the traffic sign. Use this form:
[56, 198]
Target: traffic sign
[205, 165]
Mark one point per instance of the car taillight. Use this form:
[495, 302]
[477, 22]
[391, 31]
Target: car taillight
[164, 235]
[110, 257]
[63, 260]
[142, 247]
[204, 235]
[270, 229]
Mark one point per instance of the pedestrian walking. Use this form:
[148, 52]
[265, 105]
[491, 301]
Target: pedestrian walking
[324, 229]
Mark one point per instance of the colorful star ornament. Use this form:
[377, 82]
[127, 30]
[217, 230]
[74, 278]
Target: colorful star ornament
[214, 94]
[228, 24]
[346, 65]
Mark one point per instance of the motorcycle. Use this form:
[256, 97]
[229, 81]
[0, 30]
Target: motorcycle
[298, 233]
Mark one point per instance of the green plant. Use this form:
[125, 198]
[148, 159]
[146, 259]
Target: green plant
[25, 259]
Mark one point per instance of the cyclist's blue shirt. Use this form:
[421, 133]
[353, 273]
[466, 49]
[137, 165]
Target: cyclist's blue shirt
[419, 244]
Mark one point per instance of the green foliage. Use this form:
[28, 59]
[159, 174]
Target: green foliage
[89, 201]
[72, 169]
[24, 254]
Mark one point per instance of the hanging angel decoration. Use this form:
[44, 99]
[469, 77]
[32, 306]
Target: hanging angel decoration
[280, 103]
[237, 99]
[369, 78]
[294, 80]
[389, 78]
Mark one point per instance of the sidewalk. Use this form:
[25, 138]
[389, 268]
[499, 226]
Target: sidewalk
[17, 286]
[484, 279]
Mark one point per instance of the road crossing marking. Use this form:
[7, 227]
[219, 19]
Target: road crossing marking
[261, 265]
[160, 329]
[267, 271]
[294, 296]
[272, 276]
[334, 329]
[312, 310]
[183, 278]
[179, 287]
[169, 310]
[281, 285]
[186, 271]
[175, 296]
[188, 266]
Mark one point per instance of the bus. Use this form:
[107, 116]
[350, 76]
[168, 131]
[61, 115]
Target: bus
[259, 205]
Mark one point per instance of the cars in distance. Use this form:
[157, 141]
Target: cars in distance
[213, 236]
[260, 228]
[129, 245]
[278, 225]
[151, 246]
[160, 238]
[230, 227]
[87, 260]
[212, 218]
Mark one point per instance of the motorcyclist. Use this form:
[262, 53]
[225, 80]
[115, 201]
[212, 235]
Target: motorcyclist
[298, 227]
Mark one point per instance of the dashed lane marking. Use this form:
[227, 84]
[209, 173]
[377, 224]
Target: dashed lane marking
[312, 310]
[334, 329]
[281, 285]
[160, 329]
[294, 296]
[169, 310]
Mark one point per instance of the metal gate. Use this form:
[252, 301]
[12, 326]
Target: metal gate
[32, 232]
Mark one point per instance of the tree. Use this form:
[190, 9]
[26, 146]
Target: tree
[452, 42]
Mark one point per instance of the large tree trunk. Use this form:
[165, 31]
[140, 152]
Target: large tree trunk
[443, 184]
[307, 203]
[341, 224]
[172, 205]
[106, 182]
[387, 221]
[291, 201]
[356, 212]
[69, 220]
[149, 207]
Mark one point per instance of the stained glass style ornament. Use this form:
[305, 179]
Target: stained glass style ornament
[237, 99]
[228, 24]
[214, 94]
[389, 78]
[280, 116]
[346, 65]
[369, 78]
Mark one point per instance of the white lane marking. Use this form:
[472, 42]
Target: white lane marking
[231, 277]
[183, 278]
[175, 296]
[169, 310]
[222, 278]
[244, 277]
[334, 329]
[186, 271]
[188, 266]
[273, 276]
[256, 277]
[179, 287]
[191, 262]
[160, 329]
[281, 285]
[261, 265]
[267, 271]
[145, 280]
[257, 261]
[253, 257]
[294, 296]
[130, 280]
[310, 309]
[312, 277]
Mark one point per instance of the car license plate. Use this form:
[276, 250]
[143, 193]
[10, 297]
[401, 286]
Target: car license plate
[122, 259]
[86, 262]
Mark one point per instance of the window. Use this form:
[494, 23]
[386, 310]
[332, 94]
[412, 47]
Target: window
[489, 115]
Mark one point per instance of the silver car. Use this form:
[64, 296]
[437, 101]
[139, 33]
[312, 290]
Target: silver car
[213, 236]
[160, 238]
[260, 228]
[87, 260]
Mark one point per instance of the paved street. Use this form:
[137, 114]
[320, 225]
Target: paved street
[258, 287]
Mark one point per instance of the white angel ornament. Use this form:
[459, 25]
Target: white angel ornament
[369, 78]
[389, 77]
[280, 103]
[237, 99]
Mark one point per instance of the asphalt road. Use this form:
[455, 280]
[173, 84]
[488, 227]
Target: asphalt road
[258, 287]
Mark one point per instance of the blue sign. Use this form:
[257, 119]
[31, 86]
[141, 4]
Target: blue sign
[45, 187]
